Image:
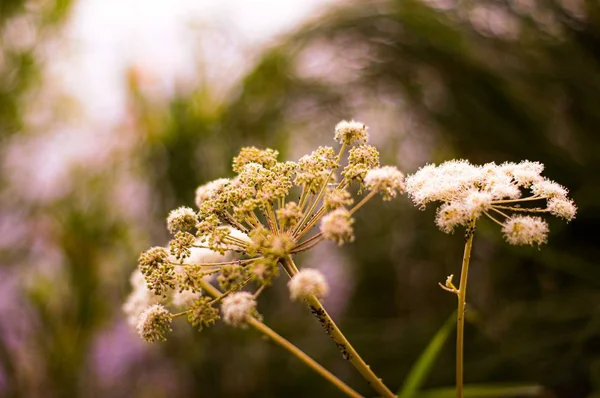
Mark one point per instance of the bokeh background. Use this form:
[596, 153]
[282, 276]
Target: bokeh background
[112, 113]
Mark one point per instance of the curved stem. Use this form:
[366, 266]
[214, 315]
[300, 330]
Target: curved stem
[342, 342]
[292, 349]
[460, 316]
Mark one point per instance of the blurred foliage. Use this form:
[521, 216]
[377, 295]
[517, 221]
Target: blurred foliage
[491, 80]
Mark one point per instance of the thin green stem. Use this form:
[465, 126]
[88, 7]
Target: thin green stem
[460, 316]
[342, 342]
[292, 349]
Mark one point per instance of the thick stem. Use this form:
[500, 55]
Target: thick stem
[342, 343]
[460, 317]
[292, 349]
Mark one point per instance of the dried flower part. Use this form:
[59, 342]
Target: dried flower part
[562, 207]
[308, 282]
[314, 169]
[351, 132]
[154, 324]
[250, 216]
[264, 269]
[232, 276]
[236, 307]
[387, 180]
[180, 246]
[158, 271]
[336, 198]
[361, 159]
[202, 314]
[289, 215]
[337, 226]
[181, 219]
[525, 230]
[208, 190]
[265, 157]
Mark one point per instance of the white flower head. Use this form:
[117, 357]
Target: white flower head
[206, 191]
[562, 207]
[337, 226]
[451, 215]
[181, 219]
[387, 180]
[525, 230]
[154, 323]
[549, 189]
[351, 132]
[308, 282]
[476, 202]
[236, 307]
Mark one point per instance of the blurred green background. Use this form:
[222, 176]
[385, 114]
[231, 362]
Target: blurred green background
[486, 80]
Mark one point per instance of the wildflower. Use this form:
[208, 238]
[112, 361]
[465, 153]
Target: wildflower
[525, 230]
[564, 208]
[337, 226]
[351, 132]
[154, 324]
[180, 246]
[181, 219]
[361, 159]
[158, 270]
[206, 191]
[266, 158]
[387, 180]
[289, 215]
[336, 198]
[308, 282]
[202, 313]
[468, 192]
[236, 307]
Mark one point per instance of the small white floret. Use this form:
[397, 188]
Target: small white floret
[308, 282]
[525, 230]
[236, 307]
[351, 132]
[387, 180]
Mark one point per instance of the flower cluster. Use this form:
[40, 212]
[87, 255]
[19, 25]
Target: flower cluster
[246, 228]
[504, 193]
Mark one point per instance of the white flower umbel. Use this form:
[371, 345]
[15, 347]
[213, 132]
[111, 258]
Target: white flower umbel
[139, 299]
[154, 324]
[337, 226]
[351, 132]
[308, 282]
[467, 192]
[181, 219]
[247, 229]
[236, 307]
[387, 180]
[525, 230]
[206, 191]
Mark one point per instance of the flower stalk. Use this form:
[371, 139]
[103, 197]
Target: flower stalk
[460, 315]
[347, 350]
[285, 344]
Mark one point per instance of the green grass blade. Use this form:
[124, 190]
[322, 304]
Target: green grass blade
[485, 391]
[420, 370]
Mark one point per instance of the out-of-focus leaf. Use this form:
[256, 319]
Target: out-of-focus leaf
[421, 369]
